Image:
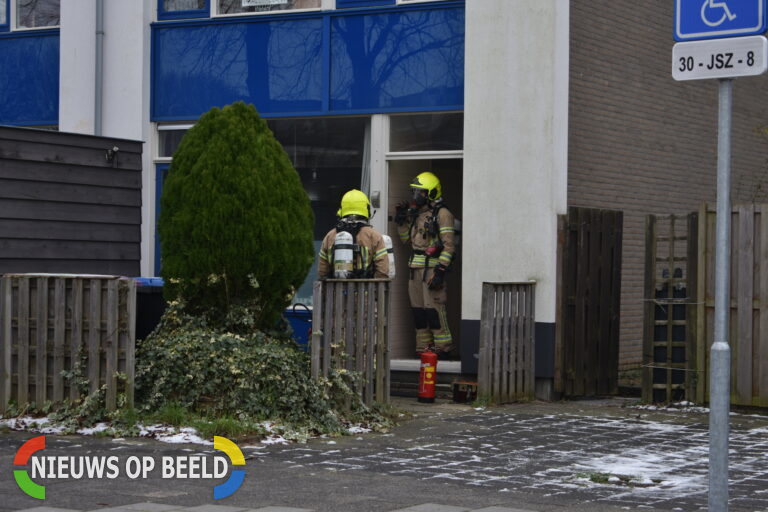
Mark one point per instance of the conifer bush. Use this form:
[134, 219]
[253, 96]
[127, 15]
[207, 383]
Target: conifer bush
[235, 224]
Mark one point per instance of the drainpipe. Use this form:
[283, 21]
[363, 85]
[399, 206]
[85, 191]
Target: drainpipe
[99, 82]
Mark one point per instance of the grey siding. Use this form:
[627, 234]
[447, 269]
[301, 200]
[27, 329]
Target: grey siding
[64, 208]
[641, 142]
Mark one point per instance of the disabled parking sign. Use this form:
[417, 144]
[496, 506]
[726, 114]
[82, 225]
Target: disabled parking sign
[710, 19]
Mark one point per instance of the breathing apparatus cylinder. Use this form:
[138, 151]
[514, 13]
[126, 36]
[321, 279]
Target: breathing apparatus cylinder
[390, 255]
[343, 255]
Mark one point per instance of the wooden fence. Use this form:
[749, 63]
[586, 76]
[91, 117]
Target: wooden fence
[66, 205]
[589, 293]
[50, 323]
[350, 331]
[507, 353]
[748, 319]
[669, 337]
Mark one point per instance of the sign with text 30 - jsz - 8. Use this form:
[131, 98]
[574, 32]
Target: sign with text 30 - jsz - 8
[720, 58]
[710, 19]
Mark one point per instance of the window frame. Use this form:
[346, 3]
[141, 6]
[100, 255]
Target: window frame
[216, 14]
[204, 12]
[167, 128]
[411, 2]
[13, 25]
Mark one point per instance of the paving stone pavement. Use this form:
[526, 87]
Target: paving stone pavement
[156, 507]
[581, 456]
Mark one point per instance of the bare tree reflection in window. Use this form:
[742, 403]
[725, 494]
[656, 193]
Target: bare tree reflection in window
[3, 12]
[396, 56]
[183, 5]
[38, 13]
[244, 6]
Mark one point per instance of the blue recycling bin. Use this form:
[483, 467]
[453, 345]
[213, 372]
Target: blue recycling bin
[150, 305]
[300, 318]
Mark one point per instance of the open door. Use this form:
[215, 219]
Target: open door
[401, 172]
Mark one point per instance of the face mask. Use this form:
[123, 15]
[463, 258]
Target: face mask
[419, 197]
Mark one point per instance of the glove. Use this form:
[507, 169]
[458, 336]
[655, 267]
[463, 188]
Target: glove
[401, 213]
[438, 278]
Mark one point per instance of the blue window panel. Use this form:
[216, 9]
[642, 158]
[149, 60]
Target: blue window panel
[347, 4]
[179, 9]
[407, 59]
[276, 65]
[29, 81]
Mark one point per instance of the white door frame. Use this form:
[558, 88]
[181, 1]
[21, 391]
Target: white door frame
[380, 158]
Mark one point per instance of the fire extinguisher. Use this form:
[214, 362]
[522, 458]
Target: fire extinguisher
[427, 377]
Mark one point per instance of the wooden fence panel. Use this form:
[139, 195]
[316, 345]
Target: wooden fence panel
[42, 322]
[589, 294]
[671, 319]
[507, 348]
[748, 314]
[748, 329]
[68, 205]
[350, 330]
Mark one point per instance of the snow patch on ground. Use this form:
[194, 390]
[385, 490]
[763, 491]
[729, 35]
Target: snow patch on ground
[100, 427]
[274, 439]
[172, 435]
[683, 406]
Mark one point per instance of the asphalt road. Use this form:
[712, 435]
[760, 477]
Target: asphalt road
[586, 455]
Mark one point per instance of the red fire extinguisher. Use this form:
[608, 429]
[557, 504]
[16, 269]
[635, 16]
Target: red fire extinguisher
[427, 377]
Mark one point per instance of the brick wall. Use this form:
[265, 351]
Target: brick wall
[641, 142]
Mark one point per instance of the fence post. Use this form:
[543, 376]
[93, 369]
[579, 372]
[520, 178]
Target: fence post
[317, 327]
[562, 233]
[130, 349]
[484, 366]
[6, 298]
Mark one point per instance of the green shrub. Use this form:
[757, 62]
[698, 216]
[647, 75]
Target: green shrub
[215, 373]
[234, 213]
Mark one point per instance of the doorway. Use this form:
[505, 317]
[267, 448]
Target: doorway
[400, 174]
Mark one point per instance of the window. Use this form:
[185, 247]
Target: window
[246, 6]
[182, 5]
[174, 9]
[427, 132]
[37, 13]
[169, 138]
[329, 155]
[3, 14]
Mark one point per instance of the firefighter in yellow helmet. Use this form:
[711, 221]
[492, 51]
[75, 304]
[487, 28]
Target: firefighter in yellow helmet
[353, 249]
[428, 226]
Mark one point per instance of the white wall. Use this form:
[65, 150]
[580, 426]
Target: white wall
[515, 146]
[126, 97]
[126, 86]
[77, 66]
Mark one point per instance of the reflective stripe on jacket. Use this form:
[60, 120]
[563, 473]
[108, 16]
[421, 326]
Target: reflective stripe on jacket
[420, 240]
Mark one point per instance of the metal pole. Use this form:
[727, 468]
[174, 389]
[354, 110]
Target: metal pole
[720, 353]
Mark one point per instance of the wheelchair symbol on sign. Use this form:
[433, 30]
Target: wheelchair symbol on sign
[708, 9]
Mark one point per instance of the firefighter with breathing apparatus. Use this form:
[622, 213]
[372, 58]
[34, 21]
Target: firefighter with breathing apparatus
[428, 226]
[353, 249]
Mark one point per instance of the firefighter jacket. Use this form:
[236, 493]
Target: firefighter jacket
[372, 249]
[426, 230]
